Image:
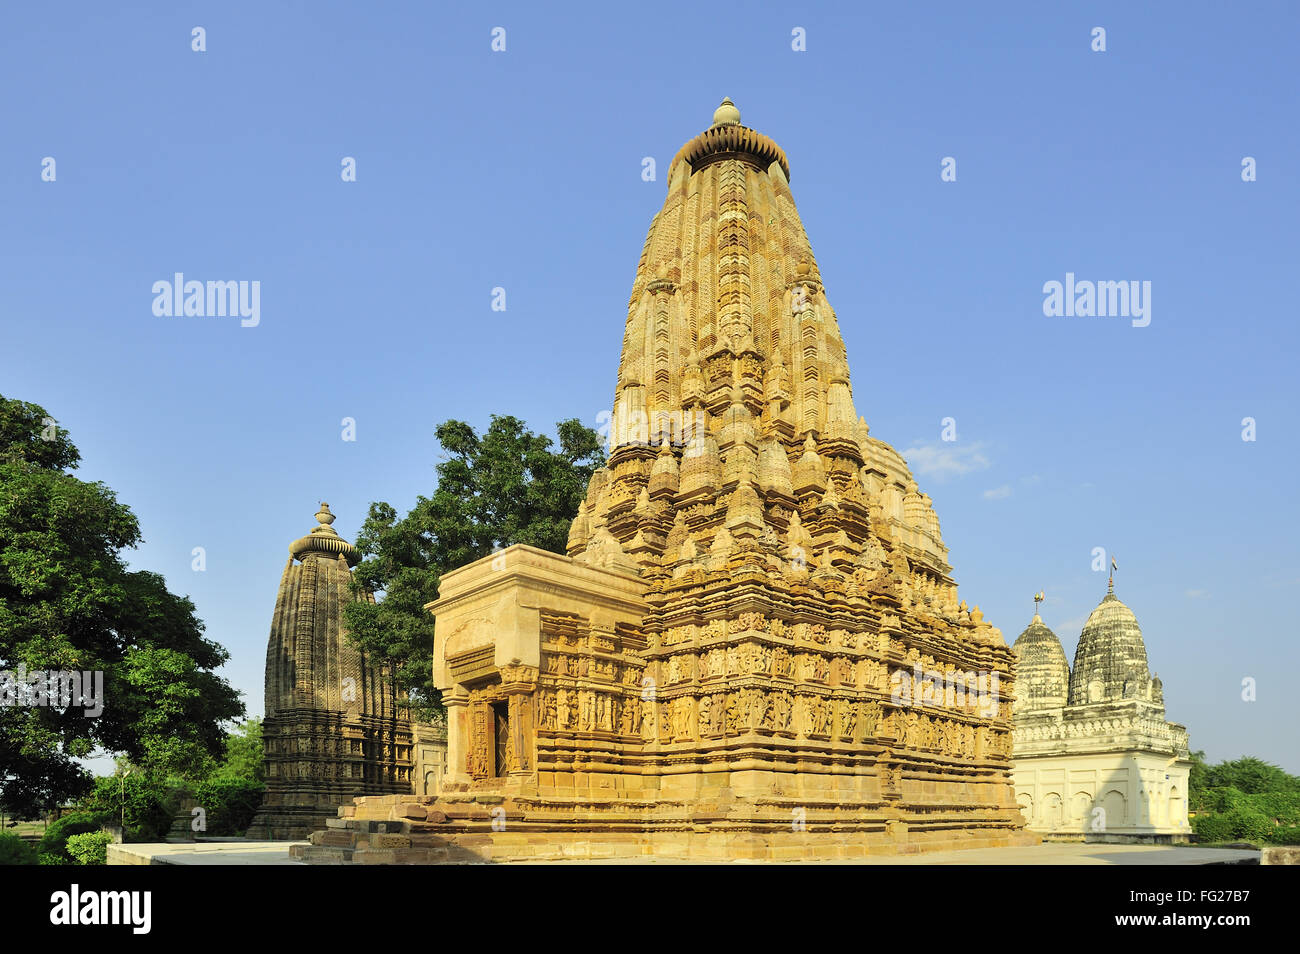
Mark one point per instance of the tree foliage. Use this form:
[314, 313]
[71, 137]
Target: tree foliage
[1252, 776]
[69, 602]
[504, 487]
[230, 803]
[1245, 799]
[244, 755]
[15, 850]
[137, 800]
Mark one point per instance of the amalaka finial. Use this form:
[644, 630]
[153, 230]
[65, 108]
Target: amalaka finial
[727, 113]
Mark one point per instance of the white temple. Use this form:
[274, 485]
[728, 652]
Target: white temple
[1093, 757]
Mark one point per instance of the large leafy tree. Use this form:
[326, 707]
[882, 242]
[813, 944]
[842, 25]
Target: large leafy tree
[68, 602]
[1250, 775]
[505, 487]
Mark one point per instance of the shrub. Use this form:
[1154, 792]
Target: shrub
[1249, 826]
[146, 801]
[1286, 835]
[230, 803]
[15, 851]
[90, 848]
[1211, 827]
[54, 844]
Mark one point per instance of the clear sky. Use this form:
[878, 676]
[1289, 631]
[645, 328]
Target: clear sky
[522, 170]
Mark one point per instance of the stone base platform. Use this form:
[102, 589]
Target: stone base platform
[278, 853]
[1117, 838]
[496, 828]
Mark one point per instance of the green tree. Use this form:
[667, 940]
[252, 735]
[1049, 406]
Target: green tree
[505, 487]
[68, 602]
[244, 755]
[1196, 781]
[138, 800]
[1251, 775]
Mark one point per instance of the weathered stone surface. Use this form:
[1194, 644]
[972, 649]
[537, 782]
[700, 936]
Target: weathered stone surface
[1280, 855]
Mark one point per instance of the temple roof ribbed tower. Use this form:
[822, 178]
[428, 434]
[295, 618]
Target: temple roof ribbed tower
[733, 389]
[1042, 673]
[332, 728]
[1110, 663]
[323, 538]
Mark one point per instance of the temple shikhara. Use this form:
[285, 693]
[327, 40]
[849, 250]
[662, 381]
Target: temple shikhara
[754, 646]
[332, 730]
[1094, 756]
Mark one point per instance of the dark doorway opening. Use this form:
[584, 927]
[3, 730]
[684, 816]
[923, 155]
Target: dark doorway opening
[501, 738]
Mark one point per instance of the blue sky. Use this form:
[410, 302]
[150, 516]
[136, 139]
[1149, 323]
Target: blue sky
[522, 169]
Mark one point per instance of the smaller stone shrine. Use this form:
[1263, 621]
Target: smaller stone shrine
[332, 729]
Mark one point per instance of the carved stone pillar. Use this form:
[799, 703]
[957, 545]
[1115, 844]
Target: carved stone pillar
[519, 683]
[479, 748]
[456, 702]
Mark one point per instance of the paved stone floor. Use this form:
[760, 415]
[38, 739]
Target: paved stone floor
[234, 852]
[1062, 854]
[277, 853]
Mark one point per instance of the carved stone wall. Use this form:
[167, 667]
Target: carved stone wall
[816, 707]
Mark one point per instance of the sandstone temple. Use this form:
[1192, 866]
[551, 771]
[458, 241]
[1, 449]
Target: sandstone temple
[1094, 757]
[332, 729]
[754, 646]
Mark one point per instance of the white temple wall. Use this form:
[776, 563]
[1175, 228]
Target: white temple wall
[1117, 793]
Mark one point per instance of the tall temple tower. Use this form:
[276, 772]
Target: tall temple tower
[1094, 757]
[754, 646]
[331, 729]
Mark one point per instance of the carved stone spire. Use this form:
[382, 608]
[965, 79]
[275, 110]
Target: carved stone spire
[321, 689]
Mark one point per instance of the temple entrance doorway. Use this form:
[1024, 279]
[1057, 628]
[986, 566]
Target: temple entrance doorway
[501, 737]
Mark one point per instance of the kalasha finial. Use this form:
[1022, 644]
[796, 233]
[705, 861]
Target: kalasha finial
[1038, 598]
[727, 113]
[323, 515]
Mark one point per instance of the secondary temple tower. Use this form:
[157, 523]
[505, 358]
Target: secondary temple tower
[331, 729]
